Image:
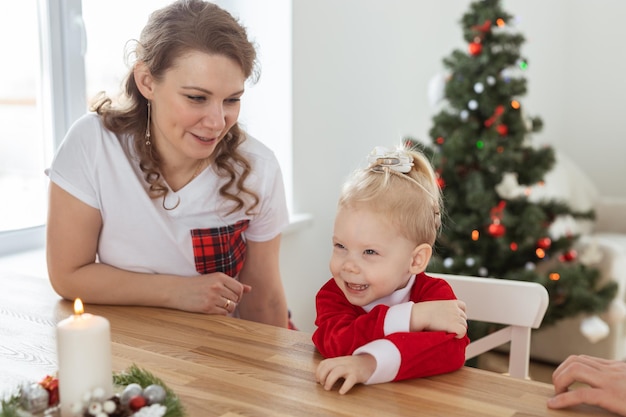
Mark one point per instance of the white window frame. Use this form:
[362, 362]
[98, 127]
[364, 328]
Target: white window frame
[59, 30]
[63, 45]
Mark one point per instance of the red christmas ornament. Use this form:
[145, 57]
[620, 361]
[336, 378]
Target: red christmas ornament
[502, 130]
[441, 182]
[544, 243]
[568, 256]
[475, 48]
[137, 402]
[496, 229]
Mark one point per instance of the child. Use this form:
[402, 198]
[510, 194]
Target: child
[381, 318]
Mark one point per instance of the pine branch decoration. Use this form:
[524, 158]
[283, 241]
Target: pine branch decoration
[135, 374]
[9, 407]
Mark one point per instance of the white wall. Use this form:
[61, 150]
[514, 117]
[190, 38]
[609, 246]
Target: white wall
[269, 25]
[360, 75]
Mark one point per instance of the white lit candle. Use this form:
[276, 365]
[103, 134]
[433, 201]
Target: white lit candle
[84, 356]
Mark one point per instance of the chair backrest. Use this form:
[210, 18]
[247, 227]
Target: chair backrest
[518, 305]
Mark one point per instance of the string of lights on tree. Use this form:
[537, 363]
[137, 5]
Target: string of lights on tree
[496, 223]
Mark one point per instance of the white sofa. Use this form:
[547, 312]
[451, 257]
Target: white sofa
[602, 245]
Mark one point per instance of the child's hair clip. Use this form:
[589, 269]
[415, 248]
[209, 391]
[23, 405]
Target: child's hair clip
[398, 160]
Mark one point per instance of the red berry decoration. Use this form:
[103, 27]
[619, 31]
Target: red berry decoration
[485, 27]
[137, 402]
[544, 243]
[502, 130]
[568, 256]
[51, 384]
[495, 116]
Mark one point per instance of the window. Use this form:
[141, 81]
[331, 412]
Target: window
[69, 50]
[23, 151]
[36, 108]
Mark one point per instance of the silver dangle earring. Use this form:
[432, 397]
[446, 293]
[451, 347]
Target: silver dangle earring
[148, 143]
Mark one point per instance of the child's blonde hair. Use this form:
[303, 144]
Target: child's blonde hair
[402, 186]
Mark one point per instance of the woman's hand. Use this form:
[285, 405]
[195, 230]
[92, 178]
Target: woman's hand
[605, 380]
[445, 315]
[215, 293]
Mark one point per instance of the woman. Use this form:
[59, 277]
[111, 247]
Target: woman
[164, 201]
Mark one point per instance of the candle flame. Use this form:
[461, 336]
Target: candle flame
[78, 307]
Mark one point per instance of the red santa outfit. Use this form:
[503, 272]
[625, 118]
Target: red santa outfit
[381, 329]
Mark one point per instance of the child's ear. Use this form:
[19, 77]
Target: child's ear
[144, 80]
[420, 258]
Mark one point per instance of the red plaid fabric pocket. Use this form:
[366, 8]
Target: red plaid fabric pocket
[220, 249]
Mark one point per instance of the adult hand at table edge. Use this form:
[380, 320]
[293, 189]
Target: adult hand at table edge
[605, 380]
[590, 396]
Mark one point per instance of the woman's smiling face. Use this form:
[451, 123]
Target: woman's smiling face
[195, 104]
[370, 258]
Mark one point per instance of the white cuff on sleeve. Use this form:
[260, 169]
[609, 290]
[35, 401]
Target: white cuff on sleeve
[387, 357]
[398, 318]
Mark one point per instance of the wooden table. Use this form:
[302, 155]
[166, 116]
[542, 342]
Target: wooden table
[227, 367]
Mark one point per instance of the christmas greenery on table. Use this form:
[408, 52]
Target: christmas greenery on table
[487, 169]
[141, 394]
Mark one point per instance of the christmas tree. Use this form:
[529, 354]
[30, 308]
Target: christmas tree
[487, 167]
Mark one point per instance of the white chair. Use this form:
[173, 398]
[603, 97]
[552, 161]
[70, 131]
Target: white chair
[518, 305]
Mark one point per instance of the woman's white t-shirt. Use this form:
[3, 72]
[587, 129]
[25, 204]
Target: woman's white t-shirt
[138, 234]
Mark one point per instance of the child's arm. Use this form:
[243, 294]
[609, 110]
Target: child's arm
[396, 357]
[446, 315]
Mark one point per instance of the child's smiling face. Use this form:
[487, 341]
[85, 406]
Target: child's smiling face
[371, 258]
